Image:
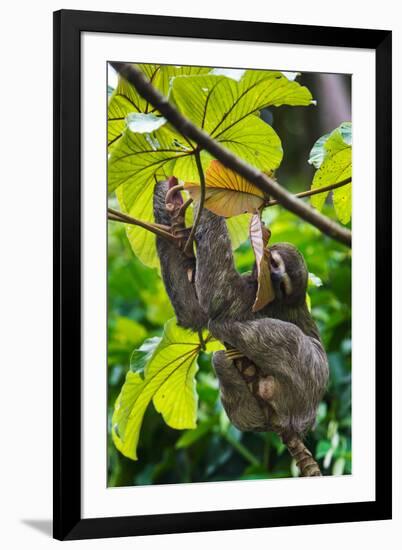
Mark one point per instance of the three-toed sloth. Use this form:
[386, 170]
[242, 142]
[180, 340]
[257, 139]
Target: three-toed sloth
[275, 371]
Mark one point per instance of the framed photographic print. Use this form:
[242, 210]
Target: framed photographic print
[222, 352]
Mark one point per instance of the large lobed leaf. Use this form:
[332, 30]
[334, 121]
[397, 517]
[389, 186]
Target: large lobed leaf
[139, 156]
[238, 229]
[332, 156]
[125, 98]
[223, 106]
[226, 192]
[226, 109]
[216, 103]
[135, 165]
[166, 376]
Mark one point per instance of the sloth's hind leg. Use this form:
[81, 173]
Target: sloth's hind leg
[243, 409]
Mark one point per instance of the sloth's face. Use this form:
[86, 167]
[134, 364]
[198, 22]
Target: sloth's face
[288, 273]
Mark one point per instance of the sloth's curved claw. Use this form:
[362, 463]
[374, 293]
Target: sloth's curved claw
[234, 354]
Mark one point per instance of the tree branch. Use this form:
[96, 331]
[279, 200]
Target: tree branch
[204, 141]
[311, 192]
[157, 229]
[118, 216]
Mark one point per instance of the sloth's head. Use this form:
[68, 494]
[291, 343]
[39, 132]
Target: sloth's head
[289, 274]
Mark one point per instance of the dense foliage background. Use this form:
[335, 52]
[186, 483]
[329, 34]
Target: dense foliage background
[139, 307]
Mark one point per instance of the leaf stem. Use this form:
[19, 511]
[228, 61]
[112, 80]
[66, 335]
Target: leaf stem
[189, 244]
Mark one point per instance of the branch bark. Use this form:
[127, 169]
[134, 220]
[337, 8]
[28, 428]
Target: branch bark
[204, 141]
[157, 229]
[311, 192]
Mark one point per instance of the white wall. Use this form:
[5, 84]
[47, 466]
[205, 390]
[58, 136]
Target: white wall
[25, 286]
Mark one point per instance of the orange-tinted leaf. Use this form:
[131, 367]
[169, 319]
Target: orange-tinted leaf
[227, 194]
[259, 237]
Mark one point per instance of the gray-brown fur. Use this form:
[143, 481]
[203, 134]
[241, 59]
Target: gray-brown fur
[282, 339]
[176, 267]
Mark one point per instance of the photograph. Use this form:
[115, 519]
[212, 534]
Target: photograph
[200, 275]
[229, 312]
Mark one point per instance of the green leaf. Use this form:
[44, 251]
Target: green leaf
[317, 153]
[126, 99]
[222, 105]
[142, 242]
[211, 344]
[128, 332]
[185, 167]
[142, 355]
[345, 130]
[238, 228]
[168, 72]
[339, 137]
[226, 108]
[191, 436]
[135, 164]
[332, 154]
[236, 74]
[272, 88]
[216, 103]
[168, 380]
[138, 157]
[144, 123]
[254, 141]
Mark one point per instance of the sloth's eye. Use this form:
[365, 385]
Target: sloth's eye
[274, 263]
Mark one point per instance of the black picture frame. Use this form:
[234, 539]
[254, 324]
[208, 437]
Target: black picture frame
[68, 522]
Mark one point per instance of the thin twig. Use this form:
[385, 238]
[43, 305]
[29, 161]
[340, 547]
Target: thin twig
[189, 244]
[311, 192]
[125, 217]
[116, 216]
[228, 159]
